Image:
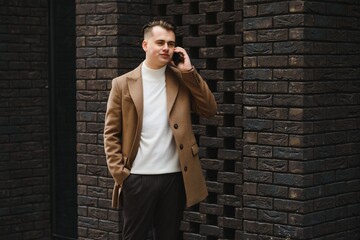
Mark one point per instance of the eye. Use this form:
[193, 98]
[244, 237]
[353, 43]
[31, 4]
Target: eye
[160, 43]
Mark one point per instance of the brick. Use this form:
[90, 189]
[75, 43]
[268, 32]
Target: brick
[214, 6]
[106, 8]
[294, 206]
[229, 200]
[227, 63]
[272, 190]
[229, 223]
[258, 48]
[228, 177]
[258, 151]
[293, 179]
[194, 19]
[305, 194]
[213, 209]
[256, 227]
[294, 20]
[257, 176]
[259, 74]
[272, 35]
[273, 216]
[258, 125]
[194, 217]
[217, 52]
[177, 9]
[230, 86]
[292, 231]
[273, 8]
[193, 236]
[229, 132]
[250, 10]
[229, 154]
[211, 230]
[223, 17]
[214, 187]
[214, 29]
[257, 23]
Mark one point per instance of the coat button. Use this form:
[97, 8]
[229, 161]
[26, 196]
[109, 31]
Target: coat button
[176, 126]
[185, 169]
[181, 146]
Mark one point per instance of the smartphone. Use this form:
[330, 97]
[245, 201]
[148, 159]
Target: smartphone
[177, 58]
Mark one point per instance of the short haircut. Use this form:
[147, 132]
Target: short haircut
[146, 30]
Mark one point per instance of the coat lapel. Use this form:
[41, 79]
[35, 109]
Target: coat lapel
[172, 88]
[135, 85]
[136, 90]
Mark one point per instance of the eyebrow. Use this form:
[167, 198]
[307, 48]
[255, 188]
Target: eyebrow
[161, 40]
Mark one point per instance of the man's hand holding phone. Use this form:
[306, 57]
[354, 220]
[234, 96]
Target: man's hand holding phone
[181, 59]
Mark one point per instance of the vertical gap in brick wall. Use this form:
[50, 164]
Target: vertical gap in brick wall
[211, 41]
[193, 29]
[211, 153]
[229, 166]
[211, 63]
[211, 18]
[229, 52]
[229, 120]
[229, 233]
[229, 143]
[211, 131]
[211, 219]
[211, 84]
[229, 190]
[229, 75]
[229, 28]
[194, 8]
[195, 120]
[228, 5]
[212, 197]
[194, 52]
[178, 22]
[161, 10]
[211, 175]
[229, 97]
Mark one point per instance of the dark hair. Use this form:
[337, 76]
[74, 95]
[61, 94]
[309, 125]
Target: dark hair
[162, 23]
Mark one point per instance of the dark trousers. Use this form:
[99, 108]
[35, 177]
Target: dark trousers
[153, 201]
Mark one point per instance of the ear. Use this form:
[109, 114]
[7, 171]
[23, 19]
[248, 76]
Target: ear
[144, 45]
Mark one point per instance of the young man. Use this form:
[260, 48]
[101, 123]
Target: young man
[151, 150]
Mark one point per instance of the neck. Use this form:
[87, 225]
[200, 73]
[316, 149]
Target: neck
[151, 66]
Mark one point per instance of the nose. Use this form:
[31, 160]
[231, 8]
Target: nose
[166, 47]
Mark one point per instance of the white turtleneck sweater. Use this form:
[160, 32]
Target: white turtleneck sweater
[157, 153]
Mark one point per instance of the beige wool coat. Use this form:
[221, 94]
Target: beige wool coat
[186, 92]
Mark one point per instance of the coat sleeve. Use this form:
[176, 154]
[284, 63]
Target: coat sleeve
[116, 161]
[203, 101]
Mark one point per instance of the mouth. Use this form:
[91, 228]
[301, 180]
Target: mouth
[165, 56]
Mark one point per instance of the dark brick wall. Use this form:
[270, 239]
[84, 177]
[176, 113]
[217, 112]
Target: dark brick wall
[108, 44]
[281, 156]
[211, 31]
[301, 120]
[24, 145]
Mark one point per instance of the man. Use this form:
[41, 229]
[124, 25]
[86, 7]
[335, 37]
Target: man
[150, 148]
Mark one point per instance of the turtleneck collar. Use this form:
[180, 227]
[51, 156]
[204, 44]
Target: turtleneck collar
[153, 73]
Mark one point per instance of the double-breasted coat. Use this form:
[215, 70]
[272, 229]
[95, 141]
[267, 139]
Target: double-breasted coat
[186, 92]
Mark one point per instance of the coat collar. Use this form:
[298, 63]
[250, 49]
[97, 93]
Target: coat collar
[134, 81]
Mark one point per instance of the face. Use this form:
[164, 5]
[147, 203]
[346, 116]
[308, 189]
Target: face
[159, 47]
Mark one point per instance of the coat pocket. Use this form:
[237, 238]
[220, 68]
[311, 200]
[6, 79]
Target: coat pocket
[195, 149]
